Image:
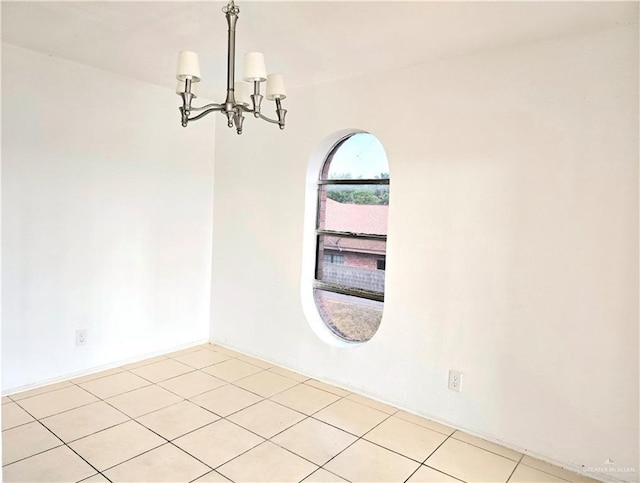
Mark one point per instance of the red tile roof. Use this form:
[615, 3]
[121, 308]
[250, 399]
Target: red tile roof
[370, 219]
[357, 218]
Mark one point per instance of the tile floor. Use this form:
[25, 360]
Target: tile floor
[208, 414]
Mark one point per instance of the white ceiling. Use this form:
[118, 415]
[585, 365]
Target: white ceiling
[308, 42]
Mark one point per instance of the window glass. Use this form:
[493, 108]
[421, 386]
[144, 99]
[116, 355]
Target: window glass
[353, 204]
[360, 156]
[351, 318]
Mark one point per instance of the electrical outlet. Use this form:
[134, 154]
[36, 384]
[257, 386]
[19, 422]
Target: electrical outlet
[455, 381]
[81, 337]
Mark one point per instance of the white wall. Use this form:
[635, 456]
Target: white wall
[107, 219]
[513, 243]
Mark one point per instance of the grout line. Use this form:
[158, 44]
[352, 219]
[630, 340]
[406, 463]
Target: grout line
[330, 472]
[42, 393]
[512, 472]
[349, 446]
[414, 472]
[310, 414]
[392, 450]
[133, 457]
[101, 398]
[35, 454]
[112, 372]
[443, 472]
[437, 448]
[208, 473]
[106, 477]
[515, 468]
[84, 459]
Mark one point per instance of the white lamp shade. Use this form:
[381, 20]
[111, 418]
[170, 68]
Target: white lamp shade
[254, 69]
[241, 93]
[188, 66]
[275, 87]
[182, 86]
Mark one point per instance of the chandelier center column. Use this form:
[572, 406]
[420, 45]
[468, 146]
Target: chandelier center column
[232, 18]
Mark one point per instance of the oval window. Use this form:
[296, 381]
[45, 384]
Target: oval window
[351, 227]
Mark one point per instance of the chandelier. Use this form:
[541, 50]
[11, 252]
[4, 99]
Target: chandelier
[238, 101]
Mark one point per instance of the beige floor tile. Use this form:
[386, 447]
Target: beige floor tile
[366, 462]
[59, 464]
[226, 351]
[13, 415]
[6, 399]
[218, 442]
[202, 358]
[526, 474]
[164, 464]
[306, 399]
[265, 383]
[83, 421]
[385, 408]
[266, 418]
[232, 370]
[192, 384]
[182, 352]
[323, 476]
[115, 384]
[206, 345]
[58, 401]
[287, 373]
[484, 444]
[226, 400]
[267, 463]
[97, 478]
[424, 422]
[256, 362]
[406, 438]
[556, 470]
[212, 477]
[106, 449]
[429, 475]
[351, 416]
[40, 390]
[328, 387]
[314, 440]
[26, 440]
[163, 370]
[176, 420]
[470, 463]
[144, 400]
[97, 375]
[144, 362]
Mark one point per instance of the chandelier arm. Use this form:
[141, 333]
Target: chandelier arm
[202, 108]
[265, 118]
[204, 113]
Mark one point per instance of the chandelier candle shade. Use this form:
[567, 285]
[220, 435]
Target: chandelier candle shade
[239, 99]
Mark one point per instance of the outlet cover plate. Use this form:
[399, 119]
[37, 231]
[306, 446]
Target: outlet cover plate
[455, 381]
[81, 337]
